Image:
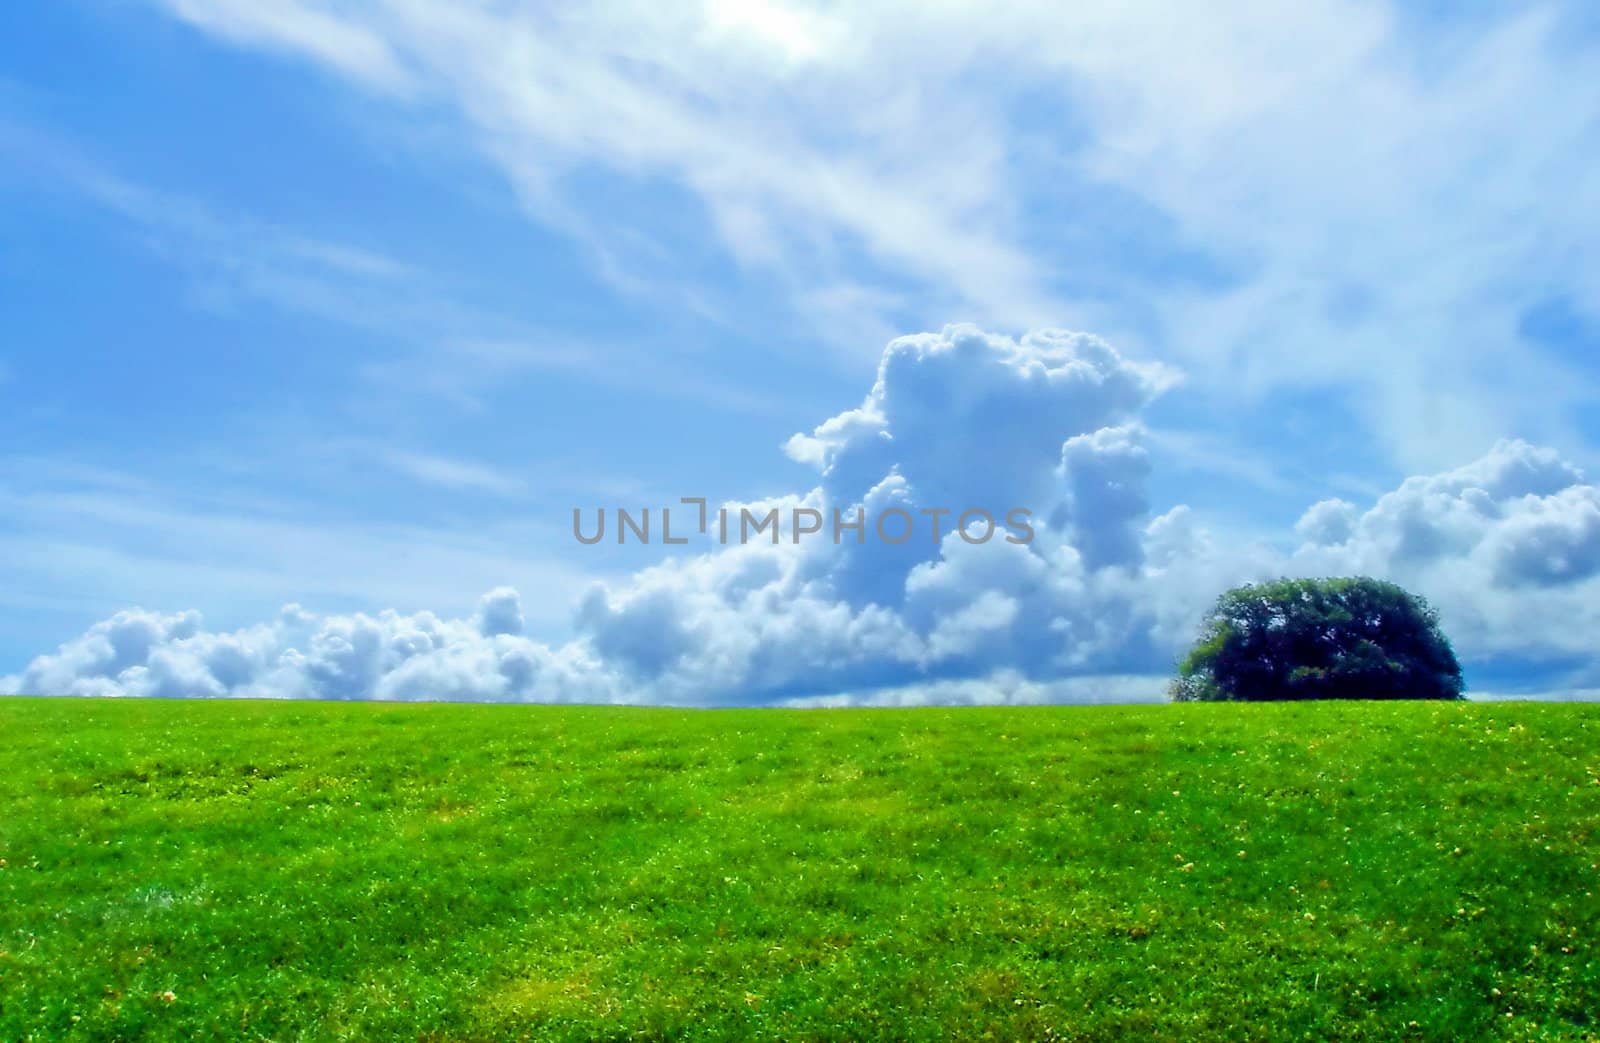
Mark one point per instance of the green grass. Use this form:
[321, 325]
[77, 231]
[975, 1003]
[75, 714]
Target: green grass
[318, 871]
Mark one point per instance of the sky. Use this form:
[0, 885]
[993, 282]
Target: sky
[318, 320]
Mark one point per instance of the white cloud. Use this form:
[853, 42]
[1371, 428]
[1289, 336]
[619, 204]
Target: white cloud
[454, 474]
[1384, 187]
[1003, 688]
[1508, 546]
[796, 172]
[302, 655]
[295, 27]
[1105, 474]
[795, 34]
[80, 539]
[946, 407]
[1553, 540]
[1329, 523]
[444, 349]
[500, 612]
[232, 258]
[1371, 189]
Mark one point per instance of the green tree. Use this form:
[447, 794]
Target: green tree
[1353, 638]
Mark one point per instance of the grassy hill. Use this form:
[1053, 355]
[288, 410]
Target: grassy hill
[283, 871]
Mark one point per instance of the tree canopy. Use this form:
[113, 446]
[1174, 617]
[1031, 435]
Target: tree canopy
[1345, 638]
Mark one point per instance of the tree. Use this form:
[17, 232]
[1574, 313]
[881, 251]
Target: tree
[1354, 638]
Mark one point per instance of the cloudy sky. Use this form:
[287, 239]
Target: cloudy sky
[317, 320]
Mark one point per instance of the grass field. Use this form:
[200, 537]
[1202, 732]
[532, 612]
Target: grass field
[314, 871]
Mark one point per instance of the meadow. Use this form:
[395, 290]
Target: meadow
[283, 871]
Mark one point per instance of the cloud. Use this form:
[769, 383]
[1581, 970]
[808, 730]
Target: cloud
[955, 420]
[500, 613]
[231, 258]
[441, 347]
[1105, 473]
[1329, 523]
[945, 406]
[1507, 507]
[1239, 188]
[687, 95]
[967, 421]
[1004, 688]
[1552, 540]
[1508, 547]
[454, 474]
[81, 539]
[293, 27]
[303, 655]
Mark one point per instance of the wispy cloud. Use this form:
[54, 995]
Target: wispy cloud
[1377, 187]
[295, 27]
[455, 474]
[100, 539]
[436, 345]
[672, 92]
[232, 255]
[463, 371]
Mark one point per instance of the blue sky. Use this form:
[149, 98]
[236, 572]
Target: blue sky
[349, 305]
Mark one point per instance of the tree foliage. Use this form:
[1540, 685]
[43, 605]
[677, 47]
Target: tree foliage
[1354, 638]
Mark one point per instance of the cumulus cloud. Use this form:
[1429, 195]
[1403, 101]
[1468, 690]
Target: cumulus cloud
[1105, 474]
[500, 612]
[947, 407]
[1329, 523]
[1520, 510]
[1508, 546]
[301, 654]
[1551, 540]
[964, 421]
